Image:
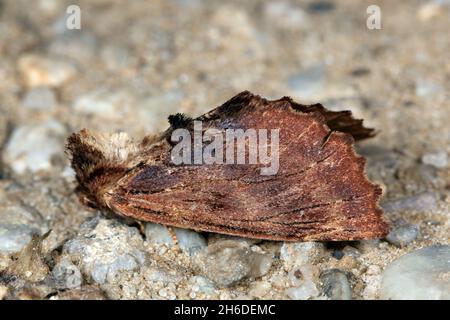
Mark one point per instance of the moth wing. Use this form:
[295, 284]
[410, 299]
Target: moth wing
[320, 191]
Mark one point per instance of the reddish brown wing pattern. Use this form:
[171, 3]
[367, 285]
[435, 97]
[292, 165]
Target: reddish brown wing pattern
[319, 193]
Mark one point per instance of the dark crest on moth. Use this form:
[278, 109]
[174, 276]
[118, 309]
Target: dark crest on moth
[319, 193]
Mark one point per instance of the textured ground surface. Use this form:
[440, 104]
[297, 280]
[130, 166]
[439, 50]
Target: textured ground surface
[133, 63]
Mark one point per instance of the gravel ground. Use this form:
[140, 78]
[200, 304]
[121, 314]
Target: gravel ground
[134, 63]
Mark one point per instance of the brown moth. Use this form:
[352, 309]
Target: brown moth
[320, 191]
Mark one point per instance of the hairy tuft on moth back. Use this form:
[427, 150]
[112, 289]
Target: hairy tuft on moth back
[320, 193]
[99, 161]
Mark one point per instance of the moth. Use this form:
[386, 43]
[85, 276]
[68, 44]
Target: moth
[319, 193]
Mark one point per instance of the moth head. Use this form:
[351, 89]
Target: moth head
[99, 161]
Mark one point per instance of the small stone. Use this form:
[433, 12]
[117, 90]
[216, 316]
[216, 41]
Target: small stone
[285, 15]
[335, 285]
[351, 252]
[105, 248]
[306, 291]
[202, 284]
[298, 275]
[260, 265]
[421, 202]
[39, 98]
[224, 262]
[157, 233]
[32, 147]
[403, 235]
[308, 83]
[437, 159]
[66, 275]
[427, 89]
[14, 237]
[103, 103]
[189, 241]
[30, 264]
[259, 289]
[300, 253]
[42, 71]
[338, 254]
[419, 275]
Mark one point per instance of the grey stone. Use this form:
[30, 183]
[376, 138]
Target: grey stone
[403, 235]
[14, 237]
[309, 82]
[39, 98]
[437, 159]
[32, 147]
[300, 253]
[306, 291]
[426, 88]
[422, 202]
[224, 262]
[189, 241]
[351, 252]
[335, 285]
[66, 275]
[260, 265]
[103, 103]
[202, 284]
[421, 274]
[105, 248]
[157, 233]
[285, 15]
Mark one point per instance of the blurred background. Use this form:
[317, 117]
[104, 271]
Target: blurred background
[131, 64]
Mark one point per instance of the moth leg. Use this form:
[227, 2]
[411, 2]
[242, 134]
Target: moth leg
[173, 235]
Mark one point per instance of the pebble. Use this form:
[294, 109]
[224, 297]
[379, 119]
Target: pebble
[66, 275]
[300, 253]
[104, 248]
[202, 284]
[189, 241]
[351, 252]
[438, 159]
[104, 103]
[79, 46]
[403, 235]
[298, 275]
[225, 262]
[419, 275]
[30, 264]
[39, 98]
[259, 289]
[335, 285]
[32, 147]
[14, 237]
[308, 83]
[285, 15]
[422, 202]
[306, 291]
[39, 71]
[157, 233]
[260, 265]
